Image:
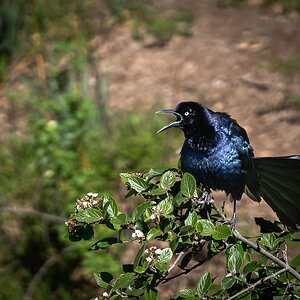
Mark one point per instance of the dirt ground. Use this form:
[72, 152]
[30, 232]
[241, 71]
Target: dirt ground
[224, 64]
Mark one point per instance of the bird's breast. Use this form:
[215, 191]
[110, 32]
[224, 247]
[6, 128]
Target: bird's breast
[216, 168]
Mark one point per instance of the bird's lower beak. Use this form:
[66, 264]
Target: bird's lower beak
[172, 124]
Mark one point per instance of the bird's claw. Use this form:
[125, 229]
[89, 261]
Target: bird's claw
[207, 197]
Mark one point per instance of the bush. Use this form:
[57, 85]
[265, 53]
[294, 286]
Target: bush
[184, 222]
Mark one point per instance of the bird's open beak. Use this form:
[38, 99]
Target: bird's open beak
[172, 124]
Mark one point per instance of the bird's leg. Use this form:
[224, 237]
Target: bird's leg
[233, 218]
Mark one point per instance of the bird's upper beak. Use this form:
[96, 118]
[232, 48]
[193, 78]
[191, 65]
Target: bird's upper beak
[172, 124]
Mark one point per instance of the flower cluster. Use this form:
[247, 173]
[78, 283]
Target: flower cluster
[89, 200]
[152, 253]
[138, 234]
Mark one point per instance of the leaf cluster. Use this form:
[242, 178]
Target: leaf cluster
[184, 222]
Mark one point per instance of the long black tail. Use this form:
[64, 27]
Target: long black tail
[277, 181]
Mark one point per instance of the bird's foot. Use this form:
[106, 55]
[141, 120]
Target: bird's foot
[204, 201]
[207, 197]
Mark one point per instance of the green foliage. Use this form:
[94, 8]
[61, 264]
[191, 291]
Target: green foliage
[144, 17]
[186, 227]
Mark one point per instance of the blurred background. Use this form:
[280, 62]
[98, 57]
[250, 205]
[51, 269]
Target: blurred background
[79, 84]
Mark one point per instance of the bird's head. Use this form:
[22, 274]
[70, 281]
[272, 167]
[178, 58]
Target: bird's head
[190, 117]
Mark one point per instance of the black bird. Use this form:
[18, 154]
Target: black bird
[217, 152]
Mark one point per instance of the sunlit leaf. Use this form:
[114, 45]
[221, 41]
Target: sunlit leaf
[89, 215]
[203, 283]
[153, 233]
[124, 281]
[167, 180]
[188, 185]
[208, 228]
[103, 279]
[222, 232]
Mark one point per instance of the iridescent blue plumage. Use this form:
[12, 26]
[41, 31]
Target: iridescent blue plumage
[217, 152]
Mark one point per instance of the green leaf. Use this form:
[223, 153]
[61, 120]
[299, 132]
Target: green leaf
[191, 219]
[89, 215]
[154, 172]
[227, 282]
[188, 185]
[139, 211]
[295, 262]
[136, 183]
[186, 294]
[124, 281]
[161, 266]
[208, 228]
[110, 205]
[165, 207]
[268, 240]
[158, 191]
[167, 180]
[165, 255]
[250, 267]
[103, 279]
[234, 259]
[141, 269]
[151, 294]
[163, 259]
[104, 243]
[153, 233]
[222, 232]
[120, 219]
[247, 257]
[186, 230]
[139, 255]
[203, 284]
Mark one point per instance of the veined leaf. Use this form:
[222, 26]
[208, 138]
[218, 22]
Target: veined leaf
[153, 233]
[203, 284]
[124, 281]
[89, 215]
[165, 207]
[188, 185]
[167, 180]
[208, 228]
[136, 183]
[103, 279]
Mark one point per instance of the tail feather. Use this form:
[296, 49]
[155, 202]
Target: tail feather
[284, 212]
[277, 181]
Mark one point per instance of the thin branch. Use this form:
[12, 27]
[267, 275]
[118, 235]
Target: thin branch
[52, 260]
[200, 263]
[175, 263]
[258, 249]
[252, 286]
[29, 211]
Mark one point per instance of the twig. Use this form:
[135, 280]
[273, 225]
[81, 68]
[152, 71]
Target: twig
[260, 250]
[175, 263]
[30, 211]
[252, 286]
[200, 263]
[52, 260]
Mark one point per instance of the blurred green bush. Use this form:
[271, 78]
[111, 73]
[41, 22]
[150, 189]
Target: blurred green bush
[67, 141]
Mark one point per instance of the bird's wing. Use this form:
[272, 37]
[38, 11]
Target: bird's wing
[278, 183]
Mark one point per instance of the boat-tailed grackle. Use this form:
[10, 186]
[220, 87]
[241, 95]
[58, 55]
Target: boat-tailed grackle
[217, 152]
